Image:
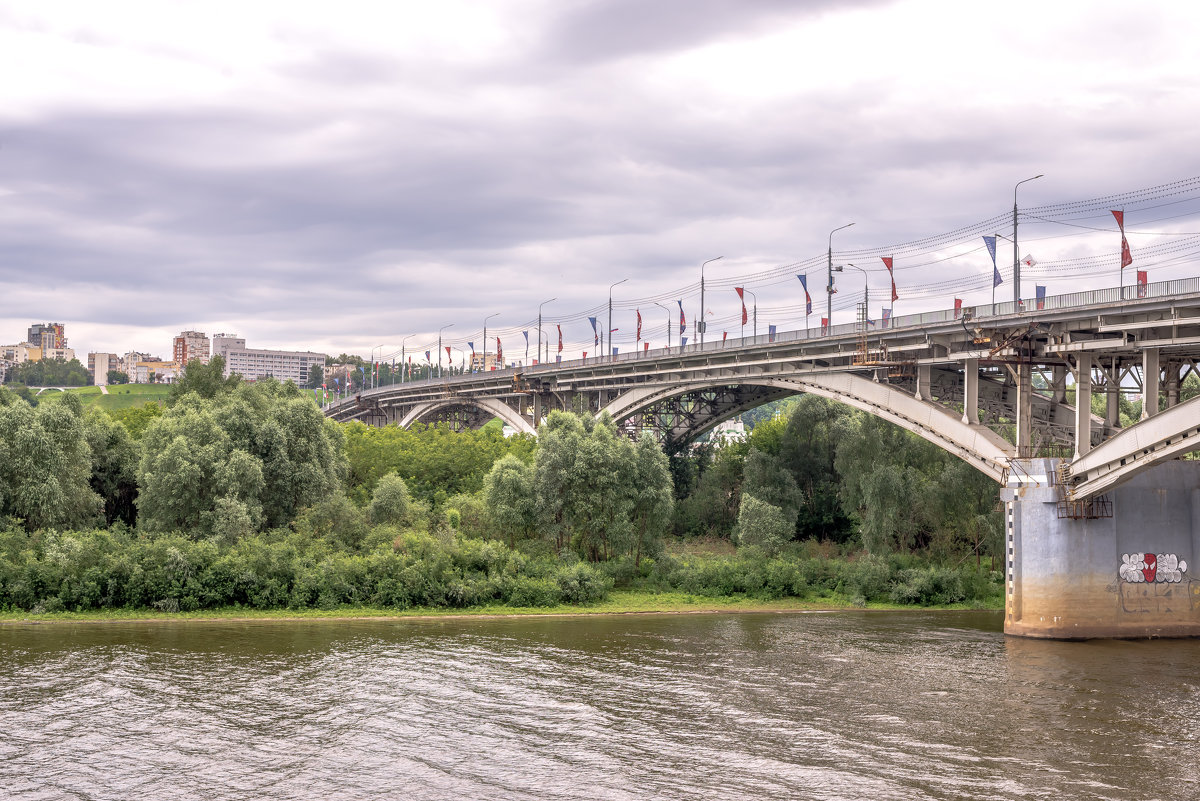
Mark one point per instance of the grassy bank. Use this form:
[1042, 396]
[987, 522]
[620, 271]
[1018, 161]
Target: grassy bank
[619, 602]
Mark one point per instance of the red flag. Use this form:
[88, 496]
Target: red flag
[741, 294]
[824, 325]
[1142, 280]
[645, 347]
[957, 307]
[1126, 256]
[560, 339]
[887, 262]
[724, 336]
[447, 351]
[639, 329]
[585, 355]
[499, 353]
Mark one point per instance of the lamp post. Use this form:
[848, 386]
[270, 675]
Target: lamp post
[702, 325]
[755, 313]
[440, 330]
[373, 371]
[1016, 255]
[485, 319]
[540, 305]
[610, 289]
[403, 362]
[668, 311]
[829, 284]
[864, 272]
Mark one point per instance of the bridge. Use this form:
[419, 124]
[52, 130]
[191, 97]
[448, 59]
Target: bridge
[1006, 387]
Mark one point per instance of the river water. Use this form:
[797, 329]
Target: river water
[846, 705]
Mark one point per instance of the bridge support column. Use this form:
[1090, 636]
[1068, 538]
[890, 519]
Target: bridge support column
[1135, 574]
[1083, 404]
[1149, 382]
[1112, 390]
[923, 373]
[1024, 408]
[1172, 382]
[971, 391]
[1058, 383]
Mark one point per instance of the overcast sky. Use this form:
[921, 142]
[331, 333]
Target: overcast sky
[339, 176]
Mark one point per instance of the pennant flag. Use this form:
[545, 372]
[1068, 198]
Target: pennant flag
[724, 336]
[427, 357]
[585, 355]
[526, 333]
[1040, 292]
[1126, 256]
[1142, 279]
[499, 353]
[682, 341]
[887, 262]
[471, 345]
[887, 317]
[560, 342]
[614, 351]
[595, 333]
[447, 351]
[870, 321]
[741, 294]
[682, 319]
[639, 325]
[990, 241]
[1029, 261]
[957, 307]
[645, 347]
[807, 297]
[770, 333]
[824, 325]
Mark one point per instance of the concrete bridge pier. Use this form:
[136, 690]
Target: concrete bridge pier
[1132, 575]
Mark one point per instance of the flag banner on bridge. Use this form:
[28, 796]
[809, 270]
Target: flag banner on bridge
[887, 262]
[682, 319]
[645, 347]
[887, 317]
[1040, 292]
[682, 342]
[824, 326]
[990, 241]
[585, 355]
[1142, 280]
[741, 294]
[957, 307]
[448, 354]
[770, 333]
[595, 333]
[560, 341]
[614, 352]
[807, 297]
[724, 336]
[427, 357]
[639, 326]
[471, 345]
[1029, 260]
[499, 353]
[1126, 256]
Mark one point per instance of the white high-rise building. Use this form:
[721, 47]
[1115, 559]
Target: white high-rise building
[255, 363]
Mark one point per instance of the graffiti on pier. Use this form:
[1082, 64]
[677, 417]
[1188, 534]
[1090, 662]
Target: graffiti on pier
[1154, 583]
[1152, 568]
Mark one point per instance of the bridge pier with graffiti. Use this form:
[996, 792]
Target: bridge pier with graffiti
[1102, 519]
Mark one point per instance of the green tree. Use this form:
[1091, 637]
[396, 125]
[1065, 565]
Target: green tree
[762, 525]
[767, 479]
[316, 377]
[509, 492]
[205, 380]
[45, 464]
[118, 377]
[391, 502]
[49, 373]
[115, 456]
[653, 498]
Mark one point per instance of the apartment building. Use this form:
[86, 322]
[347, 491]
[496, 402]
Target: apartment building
[47, 336]
[98, 365]
[255, 363]
[190, 345]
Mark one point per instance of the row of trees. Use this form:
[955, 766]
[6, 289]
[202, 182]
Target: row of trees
[49, 373]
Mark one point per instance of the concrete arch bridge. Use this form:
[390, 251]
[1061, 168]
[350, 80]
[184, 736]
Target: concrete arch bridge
[1006, 387]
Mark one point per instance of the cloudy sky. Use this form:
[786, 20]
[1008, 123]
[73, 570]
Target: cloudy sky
[341, 176]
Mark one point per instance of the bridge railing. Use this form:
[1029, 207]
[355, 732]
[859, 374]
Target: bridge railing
[1093, 297]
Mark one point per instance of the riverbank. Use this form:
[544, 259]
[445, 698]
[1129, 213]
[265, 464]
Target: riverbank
[619, 602]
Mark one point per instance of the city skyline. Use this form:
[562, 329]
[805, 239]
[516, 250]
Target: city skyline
[341, 181]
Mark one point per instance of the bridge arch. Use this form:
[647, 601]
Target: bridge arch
[975, 444]
[1167, 435]
[489, 406]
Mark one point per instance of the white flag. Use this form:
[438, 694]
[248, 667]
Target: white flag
[1028, 261]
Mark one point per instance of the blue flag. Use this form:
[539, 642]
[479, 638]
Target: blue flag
[1041, 296]
[770, 333]
[614, 351]
[595, 333]
[682, 319]
[807, 297]
[990, 241]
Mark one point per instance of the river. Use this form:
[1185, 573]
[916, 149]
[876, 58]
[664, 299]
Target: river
[845, 705]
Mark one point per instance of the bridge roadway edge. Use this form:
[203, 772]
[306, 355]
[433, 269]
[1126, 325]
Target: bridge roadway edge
[1134, 575]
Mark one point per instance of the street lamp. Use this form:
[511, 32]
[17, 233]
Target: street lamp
[540, 305]
[702, 325]
[440, 330]
[829, 285]
[864, 272]
[751, 294]
[1016, 256]
[403, 363]
[485, 319]
[669, 313]
[610, 289]
[373, 371]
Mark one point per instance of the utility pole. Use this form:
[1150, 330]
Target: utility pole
[703, 326]
[829, 282]
[1016, 250]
